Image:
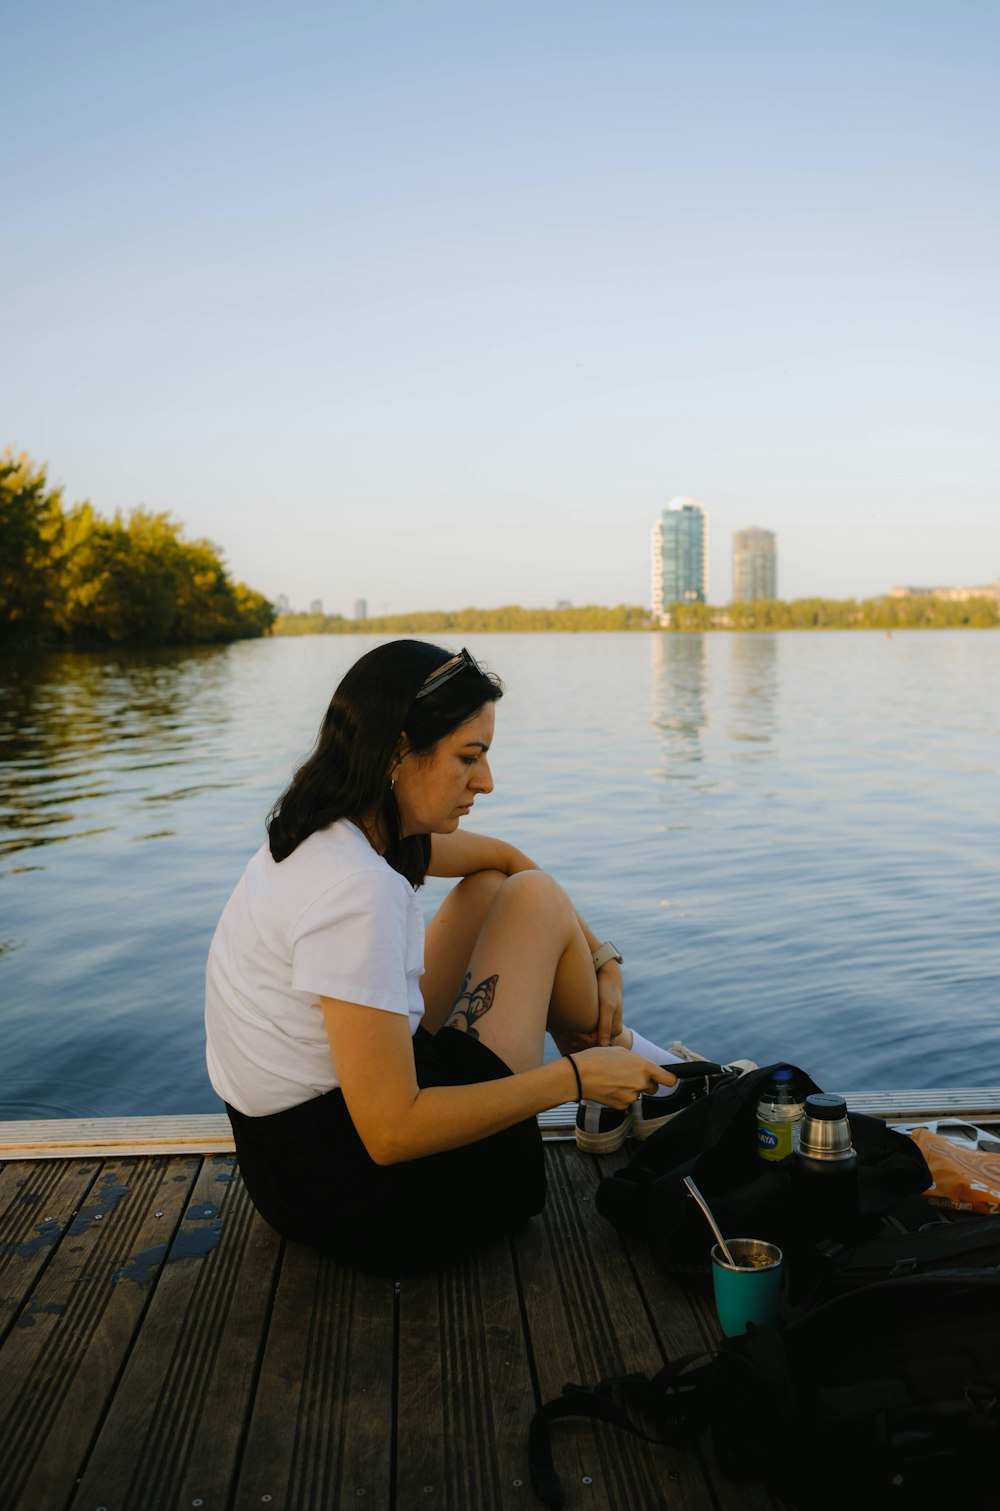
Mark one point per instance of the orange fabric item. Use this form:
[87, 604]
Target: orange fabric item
[968, 1179]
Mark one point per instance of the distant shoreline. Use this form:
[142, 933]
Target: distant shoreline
[888, 614]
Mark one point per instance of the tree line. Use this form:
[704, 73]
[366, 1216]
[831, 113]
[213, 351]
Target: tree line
[468, 621]
[913, 612]
[887, 613]
[70, 577]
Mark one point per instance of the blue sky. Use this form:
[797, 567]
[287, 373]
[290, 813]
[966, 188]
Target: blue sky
[439, 304]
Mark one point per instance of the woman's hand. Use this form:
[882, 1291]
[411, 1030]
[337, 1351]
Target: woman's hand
[617, 1077]
[610, 1002]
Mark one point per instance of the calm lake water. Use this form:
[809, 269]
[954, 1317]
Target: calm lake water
[794, 839]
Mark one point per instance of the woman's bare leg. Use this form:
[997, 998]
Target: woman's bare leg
[529, 968]
[451, 939]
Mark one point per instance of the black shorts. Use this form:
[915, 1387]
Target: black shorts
[309, 1175]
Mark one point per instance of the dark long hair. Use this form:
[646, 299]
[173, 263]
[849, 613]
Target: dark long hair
[347, 774]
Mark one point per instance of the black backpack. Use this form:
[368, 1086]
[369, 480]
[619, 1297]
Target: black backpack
[884, 1396]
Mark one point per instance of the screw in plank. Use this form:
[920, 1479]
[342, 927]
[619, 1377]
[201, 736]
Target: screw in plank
[587, 1480]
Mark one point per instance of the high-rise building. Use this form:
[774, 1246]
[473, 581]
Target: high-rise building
[755, 565]
[361, 608]
[680, 555]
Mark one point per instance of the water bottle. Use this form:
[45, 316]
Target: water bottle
[779, 1113]
[825, 1172]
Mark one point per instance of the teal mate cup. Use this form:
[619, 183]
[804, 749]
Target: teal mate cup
[747, 1291]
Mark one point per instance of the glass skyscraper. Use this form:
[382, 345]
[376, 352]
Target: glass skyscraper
[680, 555]
[755, 565]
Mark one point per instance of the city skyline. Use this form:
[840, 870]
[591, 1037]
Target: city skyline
[438, 305]
[754, 577]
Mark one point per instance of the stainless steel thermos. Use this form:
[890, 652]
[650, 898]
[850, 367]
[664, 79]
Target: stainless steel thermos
[825, 1168]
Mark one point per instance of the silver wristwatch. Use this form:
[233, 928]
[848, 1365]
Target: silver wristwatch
[605, 952]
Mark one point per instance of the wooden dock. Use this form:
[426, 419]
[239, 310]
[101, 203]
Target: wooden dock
[162, 1348]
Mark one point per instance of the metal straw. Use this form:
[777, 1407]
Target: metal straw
[703, 1204]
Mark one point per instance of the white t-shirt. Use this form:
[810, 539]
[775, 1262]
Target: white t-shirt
[333, 920]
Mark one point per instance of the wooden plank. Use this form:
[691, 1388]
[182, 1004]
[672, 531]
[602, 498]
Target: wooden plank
[248, 1260]
[970, 1103]
[581, 1307]
[464, 1394]
[642, 1345]
[321, 1425]
[205, 1299]
[508, 1365]
[210, 1133]
[76, 1138]
[684, 1321]
[37, 1203]
[60, 1365]
[420, 1399]
[194, 1133]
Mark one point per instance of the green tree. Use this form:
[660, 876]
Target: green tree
[131, 580]
[30, 521]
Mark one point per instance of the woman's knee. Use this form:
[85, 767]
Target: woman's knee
[478, 888]
[468, 902]
[537, 894]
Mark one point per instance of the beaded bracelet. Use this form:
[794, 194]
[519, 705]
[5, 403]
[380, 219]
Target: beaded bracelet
[579, 1083]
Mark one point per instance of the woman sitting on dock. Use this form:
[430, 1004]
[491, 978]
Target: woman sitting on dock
[383, 1091]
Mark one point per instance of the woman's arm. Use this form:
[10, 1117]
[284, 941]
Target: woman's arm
[463, 853]
[397, 1120]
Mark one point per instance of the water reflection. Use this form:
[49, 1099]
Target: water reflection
[77, 729]
[678, 677]
[754, 690]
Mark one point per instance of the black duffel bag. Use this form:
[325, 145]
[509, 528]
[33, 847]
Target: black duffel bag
[884, 1396]
[713, 1140]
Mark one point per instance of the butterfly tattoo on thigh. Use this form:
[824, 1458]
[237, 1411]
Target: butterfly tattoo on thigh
[477, 1004]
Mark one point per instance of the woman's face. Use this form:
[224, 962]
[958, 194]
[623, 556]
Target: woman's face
[434, 792]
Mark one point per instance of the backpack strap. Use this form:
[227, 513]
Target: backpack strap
[675, 1406]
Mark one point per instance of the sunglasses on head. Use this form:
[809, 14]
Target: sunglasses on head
[449, 669]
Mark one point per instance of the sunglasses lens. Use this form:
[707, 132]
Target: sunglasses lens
[448, 670]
